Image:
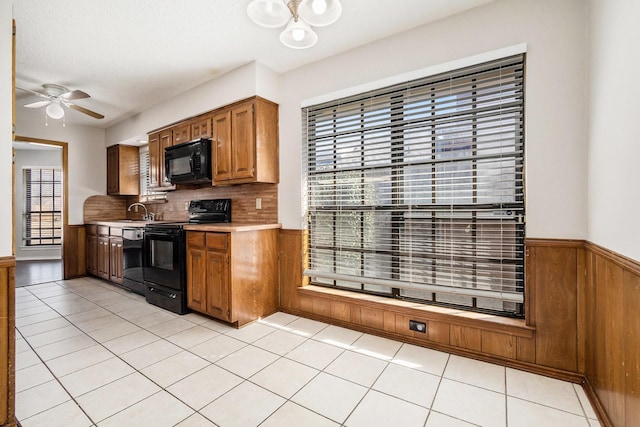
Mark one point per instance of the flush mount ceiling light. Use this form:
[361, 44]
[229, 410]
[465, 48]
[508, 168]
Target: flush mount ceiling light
[298, 15]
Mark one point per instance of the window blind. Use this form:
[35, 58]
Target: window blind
[42, 212]
[416, 190]
[145, 192]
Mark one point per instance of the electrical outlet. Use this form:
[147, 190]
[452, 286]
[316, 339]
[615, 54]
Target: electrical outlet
[171, 208]
[414, 325]
[258, 203]
[186, 206]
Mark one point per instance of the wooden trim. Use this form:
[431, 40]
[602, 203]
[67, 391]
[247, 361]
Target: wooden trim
[596, 404]
[622, 261]
[7, 342]
[564, 243]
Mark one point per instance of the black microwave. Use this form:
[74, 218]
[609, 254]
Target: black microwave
[188, 163]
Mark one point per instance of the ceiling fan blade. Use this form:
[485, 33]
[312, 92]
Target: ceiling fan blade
[41, 95]
[75, 94]
[83, 110]
[38, 104]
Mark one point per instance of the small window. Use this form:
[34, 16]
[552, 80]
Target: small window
[146, 194]
[42, 213]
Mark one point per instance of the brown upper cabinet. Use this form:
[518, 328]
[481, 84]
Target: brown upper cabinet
[123, 170]
[245, 143]
[181, 133]
[157, 143]
[201, 127]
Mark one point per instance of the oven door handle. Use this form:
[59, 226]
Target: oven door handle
[161, 292]
[161, 234]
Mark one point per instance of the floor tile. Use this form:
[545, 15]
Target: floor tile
[594, 423]
[32, 376]
[377, 409]
[217, 325]
[39, 398]
[36, 308]
[378, 347]
[475, 372]
[340, 337]
[409, 384]
[306, 327]
[247, 361]
[245, 405]
[43, 326]
[99, 323]
[284, 377]
[67, 414]
[113, 331]
[151, 319]
[72, 306]
[26, 359]
[201, 388]
[217, 348]
[293, 415]
[423, 359]
[88, 315]
[149, 354]
[470, 403]
[584, 401]
[196, 420]
[546, 391]
[77, 360]
[437, 419]
[193, 336]
[528, 414]
[330, 396]
[356, 367]
[280, 342]
[95, 376]
[315, 354]
[138, 311]
[34, 320]
[116, 396]
[250, 333]
[21, 345]
[171, 327]
[174, 368]
[278, 320]
[54, 336]
[158, 410]
[130, 341]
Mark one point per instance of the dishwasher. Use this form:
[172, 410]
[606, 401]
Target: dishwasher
[132, 245]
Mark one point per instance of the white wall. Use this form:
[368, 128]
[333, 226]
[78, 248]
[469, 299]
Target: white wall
[87, 160]
[554, 31]
[614, 146]
[243, 82]
[32, 158]
[5, 126]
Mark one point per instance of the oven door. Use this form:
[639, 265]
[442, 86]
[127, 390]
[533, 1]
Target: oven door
[164, 261]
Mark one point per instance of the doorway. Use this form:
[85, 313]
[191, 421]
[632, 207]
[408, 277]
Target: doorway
[40, 209]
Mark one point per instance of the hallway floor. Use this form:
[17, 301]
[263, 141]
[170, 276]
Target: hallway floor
[38, 271]
[91, 354]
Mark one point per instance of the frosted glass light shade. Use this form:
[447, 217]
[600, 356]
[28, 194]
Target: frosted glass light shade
[55, 111]
[269, 13]
[331, 14]
[298, 35]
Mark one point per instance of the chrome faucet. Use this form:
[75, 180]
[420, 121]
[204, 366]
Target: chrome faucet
[147, 216]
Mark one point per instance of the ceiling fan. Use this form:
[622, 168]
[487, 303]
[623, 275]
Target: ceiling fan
[56, 96]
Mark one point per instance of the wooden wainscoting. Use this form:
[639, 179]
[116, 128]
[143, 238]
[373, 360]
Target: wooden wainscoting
[73, 256]
[7, 342]
[546, 342]
[612, 334]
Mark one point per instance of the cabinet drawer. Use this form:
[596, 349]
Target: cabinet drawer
[196, 238]
[91, 230]
[217, 241]
[115, 232]
[103, 230]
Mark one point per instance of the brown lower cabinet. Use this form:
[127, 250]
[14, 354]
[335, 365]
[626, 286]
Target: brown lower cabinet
[104, 252]
[232, 276]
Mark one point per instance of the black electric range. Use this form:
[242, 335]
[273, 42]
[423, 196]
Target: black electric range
[164, 261]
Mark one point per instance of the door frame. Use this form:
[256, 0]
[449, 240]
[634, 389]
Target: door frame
[65, 188]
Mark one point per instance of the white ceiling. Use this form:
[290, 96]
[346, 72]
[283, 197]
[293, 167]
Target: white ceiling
[132, 54]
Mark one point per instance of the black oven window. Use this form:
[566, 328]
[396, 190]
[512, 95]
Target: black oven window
[162, 254]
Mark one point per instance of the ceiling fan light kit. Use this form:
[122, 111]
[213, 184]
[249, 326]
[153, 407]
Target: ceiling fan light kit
[298, 15]
[56, 97]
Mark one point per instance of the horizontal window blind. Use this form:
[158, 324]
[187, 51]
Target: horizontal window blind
[146, 194]
[416, 190]
[42, 212]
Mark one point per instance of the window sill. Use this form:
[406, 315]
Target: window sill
[488, 322]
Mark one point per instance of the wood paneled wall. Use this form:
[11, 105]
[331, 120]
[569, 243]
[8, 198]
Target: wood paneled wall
[73, 256]
[7, 342]
[582, 319]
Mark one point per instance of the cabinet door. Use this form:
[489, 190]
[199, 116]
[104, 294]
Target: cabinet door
[218, 285]
[181, 133]
[166, 140]
[92, 255]
[243, 142]
[115, 260]
[113, 170]
[154, 160]
[197, 279]
[201, 128]
[222, 146]
[103, 257]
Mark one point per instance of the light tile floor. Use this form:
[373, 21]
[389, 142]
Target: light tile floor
[91, 354]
